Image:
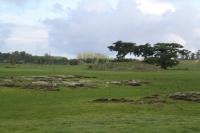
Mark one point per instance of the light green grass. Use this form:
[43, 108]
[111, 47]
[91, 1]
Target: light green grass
[70, 110]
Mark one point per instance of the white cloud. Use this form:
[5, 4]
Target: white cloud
[58, 8]
[176, 38]
[155, 7]
[27, 34]
[5, 18]
[19, 2]
[96, 6]
[15, 19]
[197, 32]
[27, 38]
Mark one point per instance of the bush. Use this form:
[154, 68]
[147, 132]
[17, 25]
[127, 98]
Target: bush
[74, 62]
[92, 58]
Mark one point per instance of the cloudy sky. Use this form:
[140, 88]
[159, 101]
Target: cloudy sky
[67, 27]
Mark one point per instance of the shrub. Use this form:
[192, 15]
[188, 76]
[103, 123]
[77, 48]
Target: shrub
[74, 62]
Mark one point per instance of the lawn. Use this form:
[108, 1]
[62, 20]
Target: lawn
[71, 110]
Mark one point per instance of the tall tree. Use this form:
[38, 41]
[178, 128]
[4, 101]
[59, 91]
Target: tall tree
[166, 54]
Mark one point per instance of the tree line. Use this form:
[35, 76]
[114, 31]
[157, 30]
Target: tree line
[25, 58]
[162, 54]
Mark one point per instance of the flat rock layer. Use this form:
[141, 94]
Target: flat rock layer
[186, 96]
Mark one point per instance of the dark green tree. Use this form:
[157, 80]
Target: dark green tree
[166, 54]
[162, 54]
[24, 58]
[122, 49]
[146, 50]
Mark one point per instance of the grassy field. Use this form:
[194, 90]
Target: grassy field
[71, 110]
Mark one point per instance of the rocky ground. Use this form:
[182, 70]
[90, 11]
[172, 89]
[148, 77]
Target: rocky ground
[51, 83]
[54, 82]
[186, 96]
[154, 99]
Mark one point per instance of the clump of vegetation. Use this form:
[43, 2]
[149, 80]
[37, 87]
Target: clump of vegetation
[74, 62]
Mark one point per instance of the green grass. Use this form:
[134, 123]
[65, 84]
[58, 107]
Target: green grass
[70, 110]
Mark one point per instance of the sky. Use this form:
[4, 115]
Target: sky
[68, 27]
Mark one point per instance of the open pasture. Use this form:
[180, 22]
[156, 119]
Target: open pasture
[72, 110]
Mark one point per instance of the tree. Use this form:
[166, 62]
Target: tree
[198, 54]
[162, 54]
[23, 57]
[122, 49]
[145, 50]
[166, 54]
[193, 56]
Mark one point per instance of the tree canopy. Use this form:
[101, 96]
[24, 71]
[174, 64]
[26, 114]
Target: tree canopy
[162, 54]
[122, 48]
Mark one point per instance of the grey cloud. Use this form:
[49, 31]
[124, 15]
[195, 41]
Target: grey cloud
[94, 31]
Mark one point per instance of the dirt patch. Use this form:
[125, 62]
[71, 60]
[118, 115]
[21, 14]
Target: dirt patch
[153, 99]
[186, 96]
